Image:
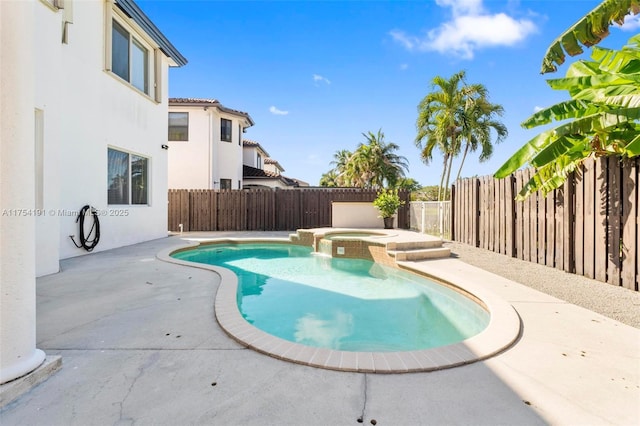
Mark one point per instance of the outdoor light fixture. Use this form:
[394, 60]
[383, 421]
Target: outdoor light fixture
[165, 146]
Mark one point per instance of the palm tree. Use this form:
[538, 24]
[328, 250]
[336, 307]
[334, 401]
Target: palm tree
[329, 179]
[456, 113]
[438, 124]
[479, 120]
[376, 164]
[341, 161]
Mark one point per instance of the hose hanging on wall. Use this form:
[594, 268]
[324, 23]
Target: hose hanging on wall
[89, 241]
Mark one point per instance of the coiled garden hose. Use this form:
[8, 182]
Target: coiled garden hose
[89, 241]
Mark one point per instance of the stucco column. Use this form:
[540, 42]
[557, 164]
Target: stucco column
[18, 353]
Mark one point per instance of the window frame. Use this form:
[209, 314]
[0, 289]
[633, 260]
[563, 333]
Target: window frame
[229, 181]
[186, 128]
[229, 127]
[130, 178]
[152, 73]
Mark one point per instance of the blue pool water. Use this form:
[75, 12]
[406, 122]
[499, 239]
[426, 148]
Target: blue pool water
[341, 304]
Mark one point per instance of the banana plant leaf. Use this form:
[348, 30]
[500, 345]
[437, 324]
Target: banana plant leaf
[588, 31]
[552, 176]
[632, 149]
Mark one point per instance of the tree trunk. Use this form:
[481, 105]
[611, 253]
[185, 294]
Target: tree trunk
[466, 149]
[448, 174]
[444, 172]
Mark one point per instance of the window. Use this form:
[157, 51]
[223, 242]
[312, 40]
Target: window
[225, 130]
[128, 178]
[259, 162]
[225, 183]
[129, 58]
[178, 126]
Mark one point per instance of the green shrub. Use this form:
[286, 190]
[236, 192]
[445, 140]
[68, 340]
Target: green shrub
[388, 202]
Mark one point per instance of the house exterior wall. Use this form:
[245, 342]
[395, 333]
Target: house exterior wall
[250, 156]
[203, 160]
[189, 161]
[265, 183]
[84, 111]
[272, 168]
[18, 353]
[229, 159]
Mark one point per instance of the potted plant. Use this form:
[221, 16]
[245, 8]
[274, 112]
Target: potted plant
[388, 202]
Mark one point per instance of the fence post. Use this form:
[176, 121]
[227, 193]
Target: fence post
[510, 215]
[475, 199]
[453, 212]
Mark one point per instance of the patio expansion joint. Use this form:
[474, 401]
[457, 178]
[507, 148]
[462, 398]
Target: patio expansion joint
[364, 397]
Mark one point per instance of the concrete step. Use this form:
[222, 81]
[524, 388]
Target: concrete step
[294, 237]
[414, 245]
[420, 254]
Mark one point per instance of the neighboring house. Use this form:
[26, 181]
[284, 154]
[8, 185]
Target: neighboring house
[205, 144]
[84, 116]
[259, 178]
[253, 154]
[271, 165]
[262, 171]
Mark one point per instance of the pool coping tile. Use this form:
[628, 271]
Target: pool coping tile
[365, 362]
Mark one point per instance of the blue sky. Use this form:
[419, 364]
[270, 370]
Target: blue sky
[315, 75]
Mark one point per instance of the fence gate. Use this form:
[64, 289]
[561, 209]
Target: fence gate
[431, 217]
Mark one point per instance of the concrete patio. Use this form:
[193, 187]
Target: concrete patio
[140, 344]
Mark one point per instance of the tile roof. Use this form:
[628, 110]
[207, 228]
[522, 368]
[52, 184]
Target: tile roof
[251, 143]
[209, 102]
[273, 162]
[253, 173]
[193, 101]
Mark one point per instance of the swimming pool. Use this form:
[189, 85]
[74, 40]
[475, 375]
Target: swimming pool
[501, 332]
[341, 304]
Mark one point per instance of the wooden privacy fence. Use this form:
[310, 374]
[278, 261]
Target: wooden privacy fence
[588, 227]
[263, 209]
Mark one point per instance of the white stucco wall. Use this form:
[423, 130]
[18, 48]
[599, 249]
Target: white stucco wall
[18, 353]
[356, 215]
[85, 110]
[229, 154]
[272, 168]
[204, 160]
[190, 161]
[249, 155]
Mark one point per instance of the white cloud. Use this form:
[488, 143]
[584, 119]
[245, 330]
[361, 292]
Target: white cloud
[631, 23]
[537, 108]
[461, 7]
[276, 111]
[470, 28]
[404, 66]
[317, 78]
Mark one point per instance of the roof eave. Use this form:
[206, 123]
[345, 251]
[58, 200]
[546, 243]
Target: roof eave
[133, 10]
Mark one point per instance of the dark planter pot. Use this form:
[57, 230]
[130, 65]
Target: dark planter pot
[388, 222]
